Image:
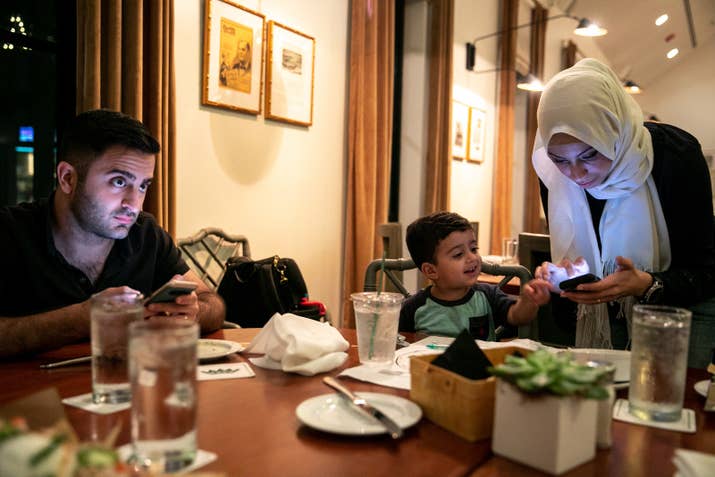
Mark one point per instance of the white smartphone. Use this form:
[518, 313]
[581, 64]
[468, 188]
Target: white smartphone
[170, 290]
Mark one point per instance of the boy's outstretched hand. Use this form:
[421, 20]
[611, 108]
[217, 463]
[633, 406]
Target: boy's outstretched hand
[538, 291]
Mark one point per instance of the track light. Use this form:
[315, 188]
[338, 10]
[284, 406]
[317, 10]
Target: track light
[584, 28]
[631, 87]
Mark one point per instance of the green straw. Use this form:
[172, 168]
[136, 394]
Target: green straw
[375, 316]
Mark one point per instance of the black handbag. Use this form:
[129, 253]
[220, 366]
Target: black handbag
[256, 289]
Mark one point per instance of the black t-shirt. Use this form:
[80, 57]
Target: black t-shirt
[36, 278]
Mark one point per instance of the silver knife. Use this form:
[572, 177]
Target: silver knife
[393, 429]
[67, 362]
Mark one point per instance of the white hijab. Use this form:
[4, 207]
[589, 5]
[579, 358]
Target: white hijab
[588, 102]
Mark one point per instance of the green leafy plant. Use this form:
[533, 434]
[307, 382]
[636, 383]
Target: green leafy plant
[546, 372]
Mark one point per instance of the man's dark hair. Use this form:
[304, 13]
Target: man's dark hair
[425, 233]
[91, 133]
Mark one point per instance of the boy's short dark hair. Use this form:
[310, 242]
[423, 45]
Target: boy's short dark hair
[91, 133]
[425, 233]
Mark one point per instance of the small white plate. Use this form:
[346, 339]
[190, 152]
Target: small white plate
[215, 349]
[332, 413]
[621, 359]
[701, 387]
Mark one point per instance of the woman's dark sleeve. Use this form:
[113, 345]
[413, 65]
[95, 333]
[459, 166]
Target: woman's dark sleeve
[682, 179]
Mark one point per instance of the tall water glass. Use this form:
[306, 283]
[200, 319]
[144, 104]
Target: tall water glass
[659, 356]
[110, 315]
[162, 369]
[376, 320]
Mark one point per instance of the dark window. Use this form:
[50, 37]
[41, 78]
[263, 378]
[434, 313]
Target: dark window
[37, 93]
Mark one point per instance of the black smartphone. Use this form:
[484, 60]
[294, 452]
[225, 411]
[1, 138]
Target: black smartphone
[572, 283]
[170, 290]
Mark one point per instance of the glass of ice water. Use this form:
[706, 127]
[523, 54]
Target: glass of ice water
[376, 320]
[110, 316]
[659, 357]
[162, 370]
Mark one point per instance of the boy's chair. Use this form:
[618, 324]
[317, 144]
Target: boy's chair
[206, 253]
[401, 264]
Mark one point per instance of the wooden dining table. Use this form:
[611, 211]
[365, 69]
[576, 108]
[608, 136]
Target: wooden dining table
[251, 425]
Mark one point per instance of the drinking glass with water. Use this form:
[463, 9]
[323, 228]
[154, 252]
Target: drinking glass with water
[111, 312]
[659, 356]
[162, 368]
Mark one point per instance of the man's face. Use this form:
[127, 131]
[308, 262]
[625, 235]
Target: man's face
[109, 199]
[457, 262]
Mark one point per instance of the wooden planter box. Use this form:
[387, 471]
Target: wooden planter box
[460, 405]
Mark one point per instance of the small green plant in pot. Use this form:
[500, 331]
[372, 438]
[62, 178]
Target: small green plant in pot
[545, 372]
[545, 410]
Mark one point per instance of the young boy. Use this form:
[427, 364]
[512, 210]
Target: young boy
[444, 248]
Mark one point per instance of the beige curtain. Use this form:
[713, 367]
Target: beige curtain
[369, 139]
[125, 52]
[532, 206]
[501, 204]
[438, 161]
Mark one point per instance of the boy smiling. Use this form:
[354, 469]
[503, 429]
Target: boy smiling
[444, 248]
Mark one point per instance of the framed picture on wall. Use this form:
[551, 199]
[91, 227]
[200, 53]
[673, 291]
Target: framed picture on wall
[460, 130]
[477, 134]
[233, 57]
[289, 75]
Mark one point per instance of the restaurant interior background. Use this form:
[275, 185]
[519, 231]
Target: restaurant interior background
[284, 186]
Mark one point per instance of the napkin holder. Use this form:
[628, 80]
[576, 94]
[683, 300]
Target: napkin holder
[460, 405]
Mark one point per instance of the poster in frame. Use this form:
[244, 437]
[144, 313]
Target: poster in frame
[290, 70]
[233, 57]
[460, 130]
[477, 135]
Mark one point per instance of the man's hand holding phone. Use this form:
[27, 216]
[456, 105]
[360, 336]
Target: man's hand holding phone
[176, 297]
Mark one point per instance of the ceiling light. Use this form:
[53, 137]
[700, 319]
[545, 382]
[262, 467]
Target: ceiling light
[672, 53]
[661, 19]
[631, 87]
[588, 28]
[529, 83]
[584, 28]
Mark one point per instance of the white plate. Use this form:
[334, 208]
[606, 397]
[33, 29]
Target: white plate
[621, 359]
[332, 413]
[701, 387]
[214, 349]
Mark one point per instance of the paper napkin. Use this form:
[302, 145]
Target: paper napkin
[685, 424]
[298, 345]
[224, 371]
[202, 457]
[693, 464]
[84, 401]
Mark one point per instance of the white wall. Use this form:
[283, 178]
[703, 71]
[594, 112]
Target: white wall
[471, 194]
[280, 185]
[413, 140]
[685, 96]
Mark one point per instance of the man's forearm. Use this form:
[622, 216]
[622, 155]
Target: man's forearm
[43, 331]
[212, 311]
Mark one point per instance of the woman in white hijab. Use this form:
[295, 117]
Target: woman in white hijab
[617, 193]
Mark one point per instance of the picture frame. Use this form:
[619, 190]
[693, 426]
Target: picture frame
[234, 38]
[460, 130]
[290, 72]
[477, 135]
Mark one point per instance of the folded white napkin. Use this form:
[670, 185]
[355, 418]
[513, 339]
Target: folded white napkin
[693, 464]
[298, 345]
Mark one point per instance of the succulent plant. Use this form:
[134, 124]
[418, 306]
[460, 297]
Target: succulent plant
[545, 372]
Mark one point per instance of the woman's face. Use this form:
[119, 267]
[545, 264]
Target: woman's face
[578, 161]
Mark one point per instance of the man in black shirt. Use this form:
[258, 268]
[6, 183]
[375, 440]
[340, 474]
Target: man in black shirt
[90, 236]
